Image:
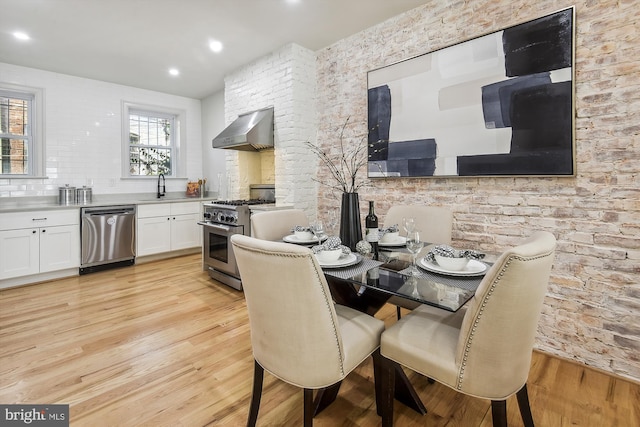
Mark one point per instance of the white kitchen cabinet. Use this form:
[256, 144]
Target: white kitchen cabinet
[19, 253]
[185, 232]
[154, 235]
[59, 248]
[166, 227]
[39, 242]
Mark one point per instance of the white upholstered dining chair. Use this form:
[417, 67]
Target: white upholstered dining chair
[274, 225]
[434, 223]
[485, 350]
[297, 333]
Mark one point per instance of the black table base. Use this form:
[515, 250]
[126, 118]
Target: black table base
[367, 301]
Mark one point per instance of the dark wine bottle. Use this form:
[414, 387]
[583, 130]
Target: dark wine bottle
[372, 233]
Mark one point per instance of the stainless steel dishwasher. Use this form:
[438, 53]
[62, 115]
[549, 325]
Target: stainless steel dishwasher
[108, 237]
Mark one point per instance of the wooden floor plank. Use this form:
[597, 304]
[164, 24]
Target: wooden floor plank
[161, 344]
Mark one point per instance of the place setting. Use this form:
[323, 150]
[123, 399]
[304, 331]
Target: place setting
[303, 235]
[390, 237]
[333, 254]
[339, 261]
[444, 261]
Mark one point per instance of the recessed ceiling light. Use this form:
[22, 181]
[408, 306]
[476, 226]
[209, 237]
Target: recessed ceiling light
[215, 46]
[21, 36]
[174, 71]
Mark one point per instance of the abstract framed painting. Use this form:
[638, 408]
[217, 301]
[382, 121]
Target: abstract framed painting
[498, 105]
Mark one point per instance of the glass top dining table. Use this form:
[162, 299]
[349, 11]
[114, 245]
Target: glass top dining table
[370, 283]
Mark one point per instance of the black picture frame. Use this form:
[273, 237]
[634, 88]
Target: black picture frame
[501, 104]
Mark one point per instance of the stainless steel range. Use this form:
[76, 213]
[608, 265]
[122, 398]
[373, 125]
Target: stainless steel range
[223, 219]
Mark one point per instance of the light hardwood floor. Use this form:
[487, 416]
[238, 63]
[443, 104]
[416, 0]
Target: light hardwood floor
[160, 344]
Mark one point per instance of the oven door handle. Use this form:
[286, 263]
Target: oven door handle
[228, 229]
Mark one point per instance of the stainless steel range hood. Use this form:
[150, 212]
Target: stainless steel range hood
[249, 132]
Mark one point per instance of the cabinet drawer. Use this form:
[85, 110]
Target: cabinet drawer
[156, 209]
[18, 220]
[185, 208]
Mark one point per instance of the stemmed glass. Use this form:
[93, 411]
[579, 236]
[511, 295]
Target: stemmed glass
[409, 225]
[318, 230]
[414, 245]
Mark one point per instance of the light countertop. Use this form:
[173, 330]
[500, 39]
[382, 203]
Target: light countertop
[26, 204]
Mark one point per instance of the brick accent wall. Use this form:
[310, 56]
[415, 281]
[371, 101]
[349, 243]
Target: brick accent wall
[286, 80]
[591, 312]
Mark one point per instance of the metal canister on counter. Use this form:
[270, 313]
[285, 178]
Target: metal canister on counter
[67, 195]
[83, 195]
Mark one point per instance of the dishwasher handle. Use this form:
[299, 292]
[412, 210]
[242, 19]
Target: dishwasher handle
[109, 211]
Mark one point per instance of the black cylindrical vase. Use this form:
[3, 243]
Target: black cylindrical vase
[350, 230]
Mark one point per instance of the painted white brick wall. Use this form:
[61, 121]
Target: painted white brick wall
[83, 134]
[286, 80]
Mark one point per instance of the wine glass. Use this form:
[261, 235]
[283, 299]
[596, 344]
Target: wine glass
[409, 225]
[414, 245]
[318, 230]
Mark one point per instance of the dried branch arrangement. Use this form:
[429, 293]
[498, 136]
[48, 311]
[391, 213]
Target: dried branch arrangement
[345, 164]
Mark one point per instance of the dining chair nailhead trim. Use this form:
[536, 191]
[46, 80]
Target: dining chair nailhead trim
[481, 311]
[327, 300]
[475, 325]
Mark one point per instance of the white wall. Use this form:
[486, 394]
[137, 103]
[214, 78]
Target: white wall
[214, 159]
[286, 80]
[83, 134]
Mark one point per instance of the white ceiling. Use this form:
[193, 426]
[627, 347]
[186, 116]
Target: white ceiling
[135, 42]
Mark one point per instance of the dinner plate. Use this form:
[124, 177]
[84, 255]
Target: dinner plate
[474, 268]
[292, 238]
[343, 261]
[400, 241]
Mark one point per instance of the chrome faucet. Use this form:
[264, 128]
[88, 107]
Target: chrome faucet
[163, 187]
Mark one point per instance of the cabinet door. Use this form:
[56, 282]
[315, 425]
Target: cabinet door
[59, 248]
[19, 253]
[154, 235]
[185, 231]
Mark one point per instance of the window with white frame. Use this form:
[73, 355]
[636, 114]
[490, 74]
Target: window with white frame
[152, 143]
[18, 155]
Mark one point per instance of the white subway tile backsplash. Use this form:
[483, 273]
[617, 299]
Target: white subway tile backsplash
[83, 132]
